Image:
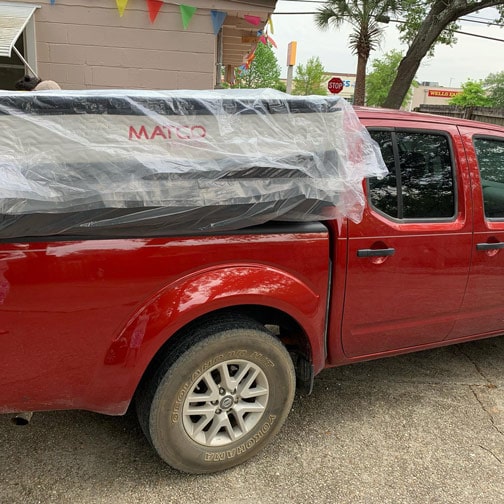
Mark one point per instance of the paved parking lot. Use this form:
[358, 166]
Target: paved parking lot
[422, 428]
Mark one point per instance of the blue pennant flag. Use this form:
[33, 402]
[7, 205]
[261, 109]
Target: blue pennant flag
[217, 20]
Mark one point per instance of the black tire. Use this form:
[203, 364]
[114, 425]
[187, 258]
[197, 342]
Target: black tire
[200, 421]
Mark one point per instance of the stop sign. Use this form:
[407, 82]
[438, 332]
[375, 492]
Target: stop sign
[335, 85]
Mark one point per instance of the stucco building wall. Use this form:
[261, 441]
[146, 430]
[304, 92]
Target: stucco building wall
[87, 44]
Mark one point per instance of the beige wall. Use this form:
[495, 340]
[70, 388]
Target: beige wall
[432, 95]
[86, 44]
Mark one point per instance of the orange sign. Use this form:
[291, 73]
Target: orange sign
[443, 93]
[291, 53]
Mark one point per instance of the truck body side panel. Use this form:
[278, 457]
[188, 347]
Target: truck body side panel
[80, 320]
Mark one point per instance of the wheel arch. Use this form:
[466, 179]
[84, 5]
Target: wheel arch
[279, 323]
[272, 296]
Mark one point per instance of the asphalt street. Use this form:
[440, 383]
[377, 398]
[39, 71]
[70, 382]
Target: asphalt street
[422, 428]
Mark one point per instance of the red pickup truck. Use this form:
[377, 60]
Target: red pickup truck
[207, 335]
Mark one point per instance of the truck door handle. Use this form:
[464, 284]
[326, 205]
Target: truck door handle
[490, 246]
[375, 252]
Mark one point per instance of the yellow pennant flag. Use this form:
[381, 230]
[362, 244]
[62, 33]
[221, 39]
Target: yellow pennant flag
[270, 24]
[121, 5]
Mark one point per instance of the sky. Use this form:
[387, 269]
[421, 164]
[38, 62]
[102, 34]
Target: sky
[471, 58]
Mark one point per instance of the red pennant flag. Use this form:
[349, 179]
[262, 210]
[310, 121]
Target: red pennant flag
[272, 42]
[154, 6]
[253, 20]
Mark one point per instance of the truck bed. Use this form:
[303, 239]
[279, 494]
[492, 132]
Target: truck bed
[130, 163]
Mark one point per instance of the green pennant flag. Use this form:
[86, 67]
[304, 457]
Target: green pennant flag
[187, 12]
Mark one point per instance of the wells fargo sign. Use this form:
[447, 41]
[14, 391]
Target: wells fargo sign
[442, 93]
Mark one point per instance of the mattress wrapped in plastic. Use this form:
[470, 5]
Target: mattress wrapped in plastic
[149, 163]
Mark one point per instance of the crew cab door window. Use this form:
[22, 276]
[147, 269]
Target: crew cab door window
[408, 260]
[420, 184]
[482, 310]
[490, 155]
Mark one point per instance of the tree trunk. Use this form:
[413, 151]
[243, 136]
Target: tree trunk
[405, 75]
[360, 81]
[439, 17]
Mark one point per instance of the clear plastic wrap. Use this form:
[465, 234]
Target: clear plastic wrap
[128, 163]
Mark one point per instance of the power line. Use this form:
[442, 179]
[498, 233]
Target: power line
[475, 21]
[480, 20]
[478, 36]
[479, 17]
[459, 32]
[392, 21]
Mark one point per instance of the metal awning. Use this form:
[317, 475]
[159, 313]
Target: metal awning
[13, 19]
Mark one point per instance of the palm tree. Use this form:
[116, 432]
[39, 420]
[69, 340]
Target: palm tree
[367, 32]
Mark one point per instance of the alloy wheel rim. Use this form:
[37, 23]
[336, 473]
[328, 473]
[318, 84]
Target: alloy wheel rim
[225, 403]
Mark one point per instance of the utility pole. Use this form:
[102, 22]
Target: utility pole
[291, 61]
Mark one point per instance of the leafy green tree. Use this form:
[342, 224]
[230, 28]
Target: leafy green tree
[367, 32]
[380, 79]
[473, 95]
[281, 86]
[494, 84]
[309, 79]
[264, 71]
[429, 22]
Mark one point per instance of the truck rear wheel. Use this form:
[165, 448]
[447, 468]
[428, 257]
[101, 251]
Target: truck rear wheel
[214, 404]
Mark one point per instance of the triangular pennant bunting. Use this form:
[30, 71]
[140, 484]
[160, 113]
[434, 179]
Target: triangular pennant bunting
[154, 6]
[217, 20]
[272, 42]
[187, 12]
[270, 24]
[121, 5]
[248, 60]
[253, 20]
